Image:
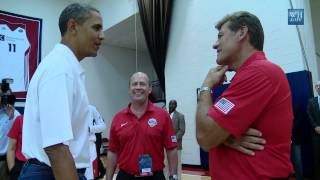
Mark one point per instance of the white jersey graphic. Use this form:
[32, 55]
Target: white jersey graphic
[14, 61]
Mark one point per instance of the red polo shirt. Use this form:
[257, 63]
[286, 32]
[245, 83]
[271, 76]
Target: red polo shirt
[258, 97]
[131, 137]
[16, 133]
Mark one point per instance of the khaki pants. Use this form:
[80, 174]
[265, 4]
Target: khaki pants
[4, 172]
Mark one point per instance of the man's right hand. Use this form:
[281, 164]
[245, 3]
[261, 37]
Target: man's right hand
[62, 163]
[317, 129]
[216, 76]
[248, 143]
[10, 111]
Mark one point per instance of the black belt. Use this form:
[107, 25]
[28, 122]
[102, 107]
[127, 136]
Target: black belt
[135, 176]
[280, 178]
[81, 170]
[37, 162]
[3, 157]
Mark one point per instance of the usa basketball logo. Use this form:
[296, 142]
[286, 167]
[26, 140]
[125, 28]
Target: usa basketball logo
[152, 122]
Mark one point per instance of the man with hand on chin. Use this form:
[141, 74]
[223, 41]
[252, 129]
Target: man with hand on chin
[258, 97]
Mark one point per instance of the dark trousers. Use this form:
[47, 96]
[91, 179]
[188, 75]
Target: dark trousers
[15, 171]
[4, 172]
[101, 169]
[316, 156]
[125, 176]
[35, 170]
[296, 158]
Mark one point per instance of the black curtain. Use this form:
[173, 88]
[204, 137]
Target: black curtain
[155, 18]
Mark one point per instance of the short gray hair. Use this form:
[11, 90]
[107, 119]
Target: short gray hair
[78, 12]
[244, 18]
[140, 73]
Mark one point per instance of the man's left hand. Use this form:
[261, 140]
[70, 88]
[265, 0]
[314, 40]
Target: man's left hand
[248, 143]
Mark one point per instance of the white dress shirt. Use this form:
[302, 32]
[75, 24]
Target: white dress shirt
[57, 108]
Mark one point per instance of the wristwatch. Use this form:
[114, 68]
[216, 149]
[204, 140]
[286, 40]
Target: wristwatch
[173, 177]
[204, 88]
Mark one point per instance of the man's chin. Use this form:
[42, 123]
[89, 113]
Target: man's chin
[219, 62]
[93, 54]
[139, 100]
[222, 62]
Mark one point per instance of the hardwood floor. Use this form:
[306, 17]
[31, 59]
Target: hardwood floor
[194, 177]
[186, 177]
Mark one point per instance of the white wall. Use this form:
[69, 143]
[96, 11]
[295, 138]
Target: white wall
[190, 53]
[308, 37]
[315, 13]
[114, 11]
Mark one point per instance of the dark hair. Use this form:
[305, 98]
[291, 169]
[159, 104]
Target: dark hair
[78, 12]
[173, 101]
[244, 18]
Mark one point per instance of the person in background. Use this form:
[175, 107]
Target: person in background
[138, 136]
[313, 111]
[8, 114]
[55, 137]
[179, 126]
[96, 125]
[297, 139]
[15, 158]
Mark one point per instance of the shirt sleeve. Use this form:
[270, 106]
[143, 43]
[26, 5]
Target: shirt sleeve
[55, 108]
[14, 131]
[245, 99]
[169, 138]
[113, 137]
[97, 124]
[15, 114]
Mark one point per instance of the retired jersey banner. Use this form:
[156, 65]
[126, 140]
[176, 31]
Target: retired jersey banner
[20, 44]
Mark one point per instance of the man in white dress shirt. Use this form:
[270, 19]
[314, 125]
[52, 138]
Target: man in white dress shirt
[55, 128]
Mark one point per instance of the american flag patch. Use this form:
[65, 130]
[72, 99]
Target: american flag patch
[224, 105]
[173, 138]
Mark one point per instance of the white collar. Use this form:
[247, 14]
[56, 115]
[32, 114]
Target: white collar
[70, 57]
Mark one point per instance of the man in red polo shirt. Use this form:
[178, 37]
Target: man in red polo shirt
[15, 158]
[138, 135]
[258, 97]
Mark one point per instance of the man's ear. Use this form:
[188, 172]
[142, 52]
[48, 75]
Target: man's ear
[72, 26]
[150, 89]
[243, 32]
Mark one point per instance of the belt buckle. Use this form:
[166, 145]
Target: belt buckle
[81, 170]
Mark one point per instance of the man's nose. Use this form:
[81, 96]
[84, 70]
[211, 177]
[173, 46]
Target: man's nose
[138, 86]
[215, 45]
[101, 35]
